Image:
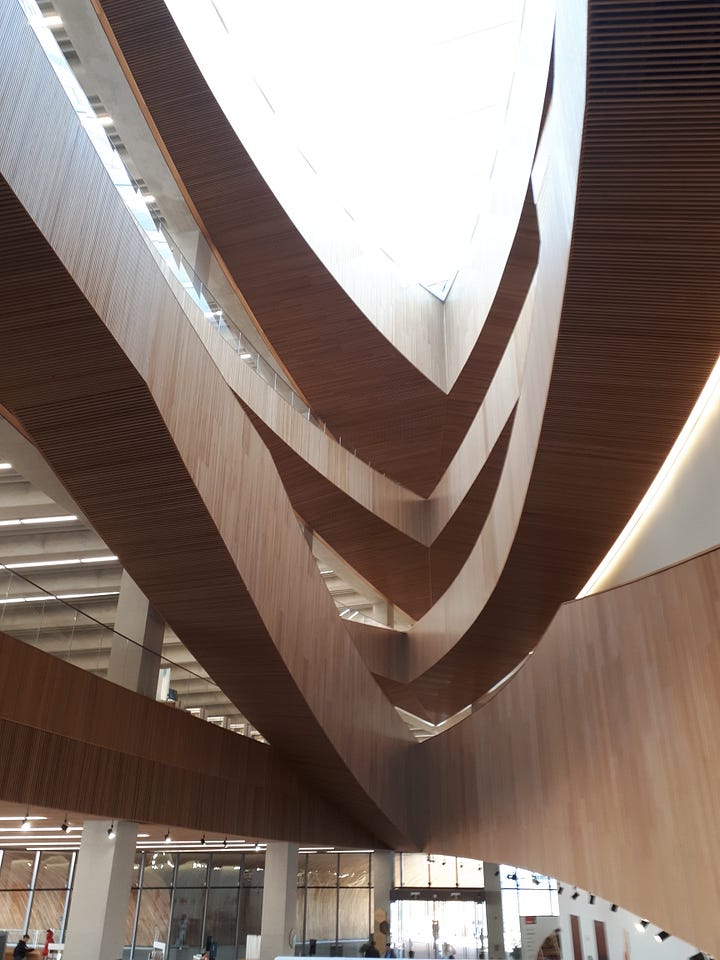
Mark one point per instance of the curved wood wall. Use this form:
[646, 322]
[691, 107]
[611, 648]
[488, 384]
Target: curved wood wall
[352, 374]
[73, 741]
[150, 442]
[599, 763]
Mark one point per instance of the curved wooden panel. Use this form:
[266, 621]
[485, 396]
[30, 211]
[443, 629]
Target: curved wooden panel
[352, 374]
[409, 574]
[153, 446]
[599, 763]
[159, 766]
[625, 372]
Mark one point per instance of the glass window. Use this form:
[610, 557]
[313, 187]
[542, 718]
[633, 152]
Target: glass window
[187, 918]
[54, 870]
[354, 870]
[192, 870]
[13, 906]
[16, 870]
[322, 869]
[415, 870]
[159, 869]
[302, 865]
[300, 913]
[48, 910]
[354, 922]
[254, 870]
[443, 871]
[321, 914]
[221, 919]
[226, 870]
[250, 914]
[154, 917]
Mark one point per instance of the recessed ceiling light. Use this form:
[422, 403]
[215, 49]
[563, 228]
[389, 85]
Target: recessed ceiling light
[5, 466]
[105, 121]
[53, 20]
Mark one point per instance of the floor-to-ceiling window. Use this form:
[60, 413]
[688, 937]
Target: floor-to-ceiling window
[35, 892]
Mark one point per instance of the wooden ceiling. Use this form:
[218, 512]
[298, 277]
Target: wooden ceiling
[369, 394]
[638, 332]
[408, 573]
[101, 431]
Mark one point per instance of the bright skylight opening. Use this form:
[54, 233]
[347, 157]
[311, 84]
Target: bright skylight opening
[397, 106]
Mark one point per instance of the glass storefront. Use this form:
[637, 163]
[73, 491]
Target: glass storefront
[182, 898]
[335, 903]
[35, 892]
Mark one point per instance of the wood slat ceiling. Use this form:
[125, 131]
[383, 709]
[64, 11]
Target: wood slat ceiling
[101, 432]
[639, 331]
[351, 375]
[408, 573]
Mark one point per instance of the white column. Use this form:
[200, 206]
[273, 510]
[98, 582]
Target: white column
[136, 665]
[101, 892]
[383, 863]
[494, 912]
[279, 900]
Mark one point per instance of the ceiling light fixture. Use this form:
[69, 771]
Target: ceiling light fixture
[168, 838]
[575, 895]
[202, 840]
[642, 925]
[560, 890]
[105, 121]
[662, 936]
[64, 825]
[613, 907]
[53, 20]
[111, 831]
[225, 842]
[5, 466]
[26, 824]
[591, 898]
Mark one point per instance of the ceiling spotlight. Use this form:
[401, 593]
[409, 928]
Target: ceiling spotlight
[27, 823]
[575, 895]
[614, 907]
[662, 936]
[225, 842]
[591, 898]
[257, 846]
[168, 838]
[560, 890]
[536, 880]
[642, 925]
[512, 876]
[202, 840]
[64, 825]
[497, 873]
[111, 831]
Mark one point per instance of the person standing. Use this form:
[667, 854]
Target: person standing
[22, 949]
[49, 938]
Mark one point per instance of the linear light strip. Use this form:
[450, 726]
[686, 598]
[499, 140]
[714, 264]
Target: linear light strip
[671, 464]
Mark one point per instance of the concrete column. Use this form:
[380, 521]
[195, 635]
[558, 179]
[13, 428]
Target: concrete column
[279, 900]
[136, 665]
[383, 862]
[494, 912]
[101, 892]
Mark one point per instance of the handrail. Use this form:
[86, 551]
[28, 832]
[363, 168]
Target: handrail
[156, 231]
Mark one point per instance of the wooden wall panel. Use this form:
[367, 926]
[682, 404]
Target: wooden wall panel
[382, 405]
[73, 741]
[599, 763]
[153, 446]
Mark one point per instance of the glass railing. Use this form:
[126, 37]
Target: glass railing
[55, 625]
[156, 232]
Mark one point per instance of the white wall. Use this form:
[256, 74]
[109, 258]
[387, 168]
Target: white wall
[623, 940]
[685, 517]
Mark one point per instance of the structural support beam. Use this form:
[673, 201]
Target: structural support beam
[101, 891]
[279, 900]
[136, 665]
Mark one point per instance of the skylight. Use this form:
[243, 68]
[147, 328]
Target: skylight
[397, 106]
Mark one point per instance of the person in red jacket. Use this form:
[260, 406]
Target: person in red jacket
[49, 938]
